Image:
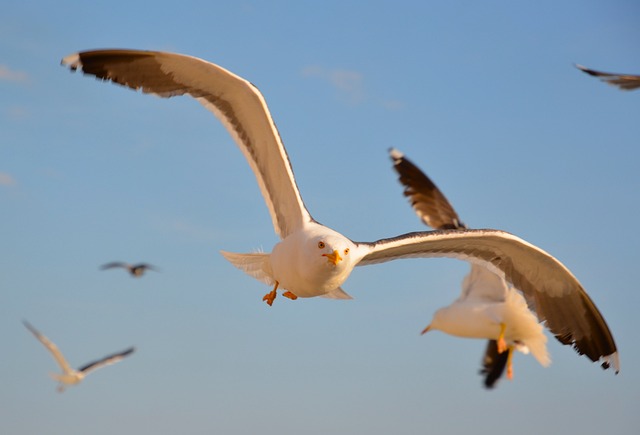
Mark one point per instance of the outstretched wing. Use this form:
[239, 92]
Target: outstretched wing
[107, 360]
[145, 266]
[549, 287]
[626, 82]
[114, 264]
[238, 104]
[427, 200]
[51, 347]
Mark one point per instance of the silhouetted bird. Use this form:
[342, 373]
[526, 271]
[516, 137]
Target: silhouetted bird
[136, 270]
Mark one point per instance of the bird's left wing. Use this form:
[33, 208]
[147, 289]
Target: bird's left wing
[107, 360]
[626, 82]
[549, 287]
[237, 103]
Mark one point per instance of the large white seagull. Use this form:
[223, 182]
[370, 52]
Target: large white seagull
[314, 260]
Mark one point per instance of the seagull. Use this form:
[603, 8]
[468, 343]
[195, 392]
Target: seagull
[136, 270]
[626, 82]
[69, 375]
[311, 259]
[488, 307]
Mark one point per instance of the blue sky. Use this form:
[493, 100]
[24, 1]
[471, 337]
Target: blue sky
[482, 95]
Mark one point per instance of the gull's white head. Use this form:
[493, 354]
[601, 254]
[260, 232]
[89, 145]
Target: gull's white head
[329, 254]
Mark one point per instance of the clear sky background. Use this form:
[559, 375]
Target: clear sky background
[482, 95]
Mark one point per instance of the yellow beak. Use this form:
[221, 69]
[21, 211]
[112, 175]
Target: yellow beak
[333, 257]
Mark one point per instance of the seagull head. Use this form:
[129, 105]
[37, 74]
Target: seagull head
[334, 249]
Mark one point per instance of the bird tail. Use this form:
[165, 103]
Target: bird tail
[255, 264]
[526, 327]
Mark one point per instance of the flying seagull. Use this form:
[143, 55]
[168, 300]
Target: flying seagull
[626, 82]
[70, 376]
[489, 307]
[311, 259]
[136, 270]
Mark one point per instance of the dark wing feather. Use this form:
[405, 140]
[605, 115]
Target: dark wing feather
[426, 199]
[107, 360]
[114, 264]
[626, 82]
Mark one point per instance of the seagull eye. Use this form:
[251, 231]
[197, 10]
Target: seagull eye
[321, 245]
[346, 251]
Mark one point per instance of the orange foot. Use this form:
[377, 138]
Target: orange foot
[502, 344]
[290, 295]
[510, 364]
[270, 297]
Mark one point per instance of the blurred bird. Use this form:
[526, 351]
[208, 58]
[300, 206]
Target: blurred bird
[69, 375]
[626, 82]
[488, 306]
[136, 270]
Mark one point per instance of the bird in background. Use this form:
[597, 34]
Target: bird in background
[488, 306]
[311, 259]
[136, 270]
[626, 82]
[69, 376]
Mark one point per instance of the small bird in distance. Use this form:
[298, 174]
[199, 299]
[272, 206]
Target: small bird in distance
[136, 270]
[70, 376]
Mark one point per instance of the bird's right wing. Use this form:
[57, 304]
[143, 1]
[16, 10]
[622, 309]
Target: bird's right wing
[114, 264]
[51, 347]
[237, 103]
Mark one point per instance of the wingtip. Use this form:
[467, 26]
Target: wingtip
[395, 154]
[30, 327]
[72, 61]
[611, 361]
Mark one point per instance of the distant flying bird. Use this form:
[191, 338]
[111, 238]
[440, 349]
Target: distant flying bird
[626, 82]
[490, 308]
[69, 375]
[136, 270]
[311, 259]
